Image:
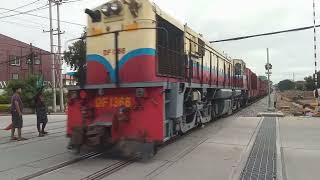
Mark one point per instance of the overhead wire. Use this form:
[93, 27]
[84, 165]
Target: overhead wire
[264, 34]
[44, 17]
[38, 26]
[29, 21]
[20, 7]
[25, 12]
[24, 25]
[66, 2]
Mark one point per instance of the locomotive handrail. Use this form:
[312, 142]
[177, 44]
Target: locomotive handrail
[125, 30]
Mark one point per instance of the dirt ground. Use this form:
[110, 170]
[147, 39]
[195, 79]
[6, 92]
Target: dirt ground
[291, 102]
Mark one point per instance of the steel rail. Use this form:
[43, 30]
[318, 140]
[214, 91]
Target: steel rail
[98, 175]
[61, 165]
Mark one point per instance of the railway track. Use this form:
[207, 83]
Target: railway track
[62, 165]
[100, 174]
[108, 170]
[104, 172]
[248, 105]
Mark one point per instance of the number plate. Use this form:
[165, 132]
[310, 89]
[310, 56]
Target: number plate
[113, 102]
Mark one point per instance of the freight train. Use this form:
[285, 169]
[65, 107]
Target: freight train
[149, 79]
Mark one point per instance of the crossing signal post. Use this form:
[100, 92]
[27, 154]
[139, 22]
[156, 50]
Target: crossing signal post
[268, 68]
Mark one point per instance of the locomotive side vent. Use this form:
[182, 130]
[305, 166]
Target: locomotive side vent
[170, 48]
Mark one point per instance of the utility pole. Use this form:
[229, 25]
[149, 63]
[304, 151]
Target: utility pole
[30, 60]
[293, 77]
[54, 108]
[58, 3]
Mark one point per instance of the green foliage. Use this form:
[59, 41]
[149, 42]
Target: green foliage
[75, 57]
[29, 89]
[286, 85]
[48, 96]
[300, 87]
[4, 107]
[4, 99]
[309, 83]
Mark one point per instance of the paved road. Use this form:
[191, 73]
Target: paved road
[56, 124]
[300, 145]
[212, 152]
[221, 142]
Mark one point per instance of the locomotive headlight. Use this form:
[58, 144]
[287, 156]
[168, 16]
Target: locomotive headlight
[116, 7]
[113, 8]
[105, 9]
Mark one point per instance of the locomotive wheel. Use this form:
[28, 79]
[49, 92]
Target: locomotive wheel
[230, 111]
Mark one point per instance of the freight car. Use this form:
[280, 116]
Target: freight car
[149, 79]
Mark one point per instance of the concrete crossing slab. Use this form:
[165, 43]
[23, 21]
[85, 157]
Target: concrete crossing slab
[300, 140]
[208, 161]
[201, 155]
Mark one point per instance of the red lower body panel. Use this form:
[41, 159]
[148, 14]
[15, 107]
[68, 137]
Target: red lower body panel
[144, 117]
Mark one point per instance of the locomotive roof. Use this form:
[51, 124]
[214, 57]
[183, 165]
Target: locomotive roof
[185, 28]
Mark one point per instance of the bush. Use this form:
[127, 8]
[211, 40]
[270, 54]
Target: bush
[4, 99]
[48, 96]
[286, 85]
[29, 89]
[4, 107]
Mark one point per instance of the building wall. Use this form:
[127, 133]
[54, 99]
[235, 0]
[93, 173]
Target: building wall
[12, 47]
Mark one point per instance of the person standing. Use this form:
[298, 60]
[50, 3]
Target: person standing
[275, 100]
[42, 117]
[16, 113]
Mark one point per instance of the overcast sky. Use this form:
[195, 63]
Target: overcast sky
[215, 19]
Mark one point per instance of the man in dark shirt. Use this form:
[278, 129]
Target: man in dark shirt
[16, 112]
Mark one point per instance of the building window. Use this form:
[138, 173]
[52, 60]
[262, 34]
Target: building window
[15, 76]
[14, 60]
[37, 60]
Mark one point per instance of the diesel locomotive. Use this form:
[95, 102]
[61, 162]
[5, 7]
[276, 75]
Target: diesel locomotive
[150, 78]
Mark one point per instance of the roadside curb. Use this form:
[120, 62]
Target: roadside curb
[35, 114]
[281, 174]
[57, 114]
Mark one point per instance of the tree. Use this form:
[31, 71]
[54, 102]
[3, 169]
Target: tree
[29, 89]
[309, 83]
[75, 56]
[286, 85]
[300, 86]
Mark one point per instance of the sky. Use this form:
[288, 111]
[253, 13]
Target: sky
[290, 53]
